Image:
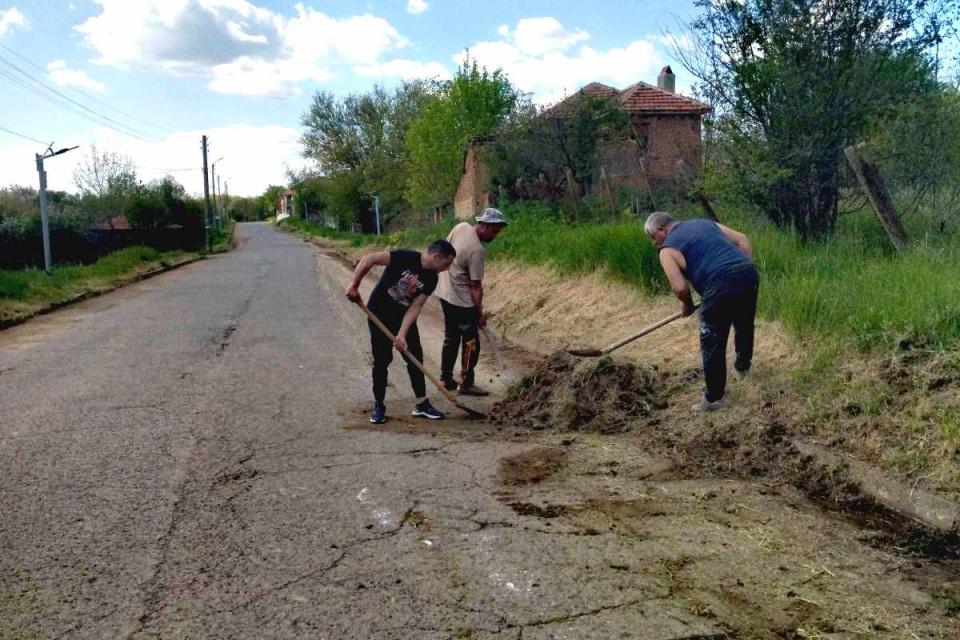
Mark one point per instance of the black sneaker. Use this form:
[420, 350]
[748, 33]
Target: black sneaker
[426, 410]
[449, 385]
[472, 390]
[379, 413]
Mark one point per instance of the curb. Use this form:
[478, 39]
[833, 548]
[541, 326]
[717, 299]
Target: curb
[936, 512]
[6, 324]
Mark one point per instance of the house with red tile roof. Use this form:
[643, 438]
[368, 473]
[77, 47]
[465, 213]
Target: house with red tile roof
[665, 151]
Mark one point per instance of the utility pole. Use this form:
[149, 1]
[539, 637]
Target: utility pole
[213, 178]
[206, 197]
[226, 187]
[219, 206]
[44, 221]
[376, 208]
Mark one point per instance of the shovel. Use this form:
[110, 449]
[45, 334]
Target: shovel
[496, 350]
[596, 353]
[453, 401]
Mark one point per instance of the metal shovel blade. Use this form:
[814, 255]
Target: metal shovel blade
[585, 353]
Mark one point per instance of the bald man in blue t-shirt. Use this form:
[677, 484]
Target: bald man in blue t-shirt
[718, 262]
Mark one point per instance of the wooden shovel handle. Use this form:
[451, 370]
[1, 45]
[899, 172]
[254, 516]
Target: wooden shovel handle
[409, 355]
[645, 331]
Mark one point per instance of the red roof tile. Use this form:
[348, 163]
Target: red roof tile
[644, 98]
[117, 222]
[637, 98]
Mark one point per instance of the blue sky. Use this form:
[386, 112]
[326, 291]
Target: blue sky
[243, 71]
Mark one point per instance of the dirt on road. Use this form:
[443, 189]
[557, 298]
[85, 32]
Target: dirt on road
[743, 530]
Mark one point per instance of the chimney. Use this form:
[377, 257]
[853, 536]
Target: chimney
[666, 80]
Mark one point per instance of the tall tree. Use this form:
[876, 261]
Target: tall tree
[552, 143]
[472, 105]
[358, 142]
[107, 182]
[795, 81]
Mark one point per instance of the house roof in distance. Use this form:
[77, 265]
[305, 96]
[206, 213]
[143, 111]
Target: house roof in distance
[640, 98]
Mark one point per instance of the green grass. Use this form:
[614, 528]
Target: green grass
[852, 289]
[23, 292]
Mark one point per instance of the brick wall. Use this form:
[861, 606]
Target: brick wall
[668, 140]
[472, 196]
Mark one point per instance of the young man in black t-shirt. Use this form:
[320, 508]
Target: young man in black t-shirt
[408, 279]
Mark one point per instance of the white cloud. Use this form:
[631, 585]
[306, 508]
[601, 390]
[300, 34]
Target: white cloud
[539, 36]
[10, 18]
[64, 76]
[538, 58]
[248, 174]
[683, 43]
[259, 78]
[416, 6]
[404, 69]
[237, 43]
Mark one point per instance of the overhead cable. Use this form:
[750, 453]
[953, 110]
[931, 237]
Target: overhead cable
[71, 100]
[84, 93]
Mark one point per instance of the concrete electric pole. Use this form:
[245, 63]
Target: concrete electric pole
[44, 220]
[206, 197]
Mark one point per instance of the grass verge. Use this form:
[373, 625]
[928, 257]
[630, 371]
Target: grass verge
[26, 292]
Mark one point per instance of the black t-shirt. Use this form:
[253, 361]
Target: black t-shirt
[402, 281]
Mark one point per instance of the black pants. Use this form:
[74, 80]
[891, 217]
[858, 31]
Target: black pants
[729, 299]
[459, 327]
[382, 349]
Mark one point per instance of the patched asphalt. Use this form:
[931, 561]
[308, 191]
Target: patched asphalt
[174, 466]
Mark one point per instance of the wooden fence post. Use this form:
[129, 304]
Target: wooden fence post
[876, 190]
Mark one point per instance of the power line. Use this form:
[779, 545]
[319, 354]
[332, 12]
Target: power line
[84, 93]
[82, 106]
[22, 136]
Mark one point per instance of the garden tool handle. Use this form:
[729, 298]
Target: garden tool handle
[409, 355]
[645, 331]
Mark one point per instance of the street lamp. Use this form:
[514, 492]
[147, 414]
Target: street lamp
[213, 171]
[376, 207]
[44, 224]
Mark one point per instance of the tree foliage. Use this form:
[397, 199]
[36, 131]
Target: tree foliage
[357, 143]
[793, 82]
[547, 145]
[107, 182]
[472, 105]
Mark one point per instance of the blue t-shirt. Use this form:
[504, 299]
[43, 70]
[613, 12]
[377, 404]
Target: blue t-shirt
[402, 281]
[707, 252]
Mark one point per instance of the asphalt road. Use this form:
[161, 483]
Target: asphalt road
[173, 464]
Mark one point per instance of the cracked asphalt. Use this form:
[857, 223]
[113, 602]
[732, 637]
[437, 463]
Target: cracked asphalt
[173, 465]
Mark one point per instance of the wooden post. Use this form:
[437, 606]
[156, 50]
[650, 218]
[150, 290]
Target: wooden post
[606, 186]
[572, 188]
[707, 208]
[876, 190]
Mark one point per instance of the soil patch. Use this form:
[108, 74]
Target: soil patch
[601, 396]
[530, 467]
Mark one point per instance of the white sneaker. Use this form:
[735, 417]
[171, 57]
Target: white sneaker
[704, 405]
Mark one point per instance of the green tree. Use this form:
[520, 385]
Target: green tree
[548, 142]
[270, 198]
[793, 82]
[359, 140]
[472, 105]
[107, 183]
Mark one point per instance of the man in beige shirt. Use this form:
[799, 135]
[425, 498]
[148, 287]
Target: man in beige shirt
[460, 290]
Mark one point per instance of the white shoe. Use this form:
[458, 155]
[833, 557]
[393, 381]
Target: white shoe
[741, 375]
[704, 405]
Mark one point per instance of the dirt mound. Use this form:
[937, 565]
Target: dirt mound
[563, 392]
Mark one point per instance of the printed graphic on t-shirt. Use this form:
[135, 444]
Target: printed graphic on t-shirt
[406, 288]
